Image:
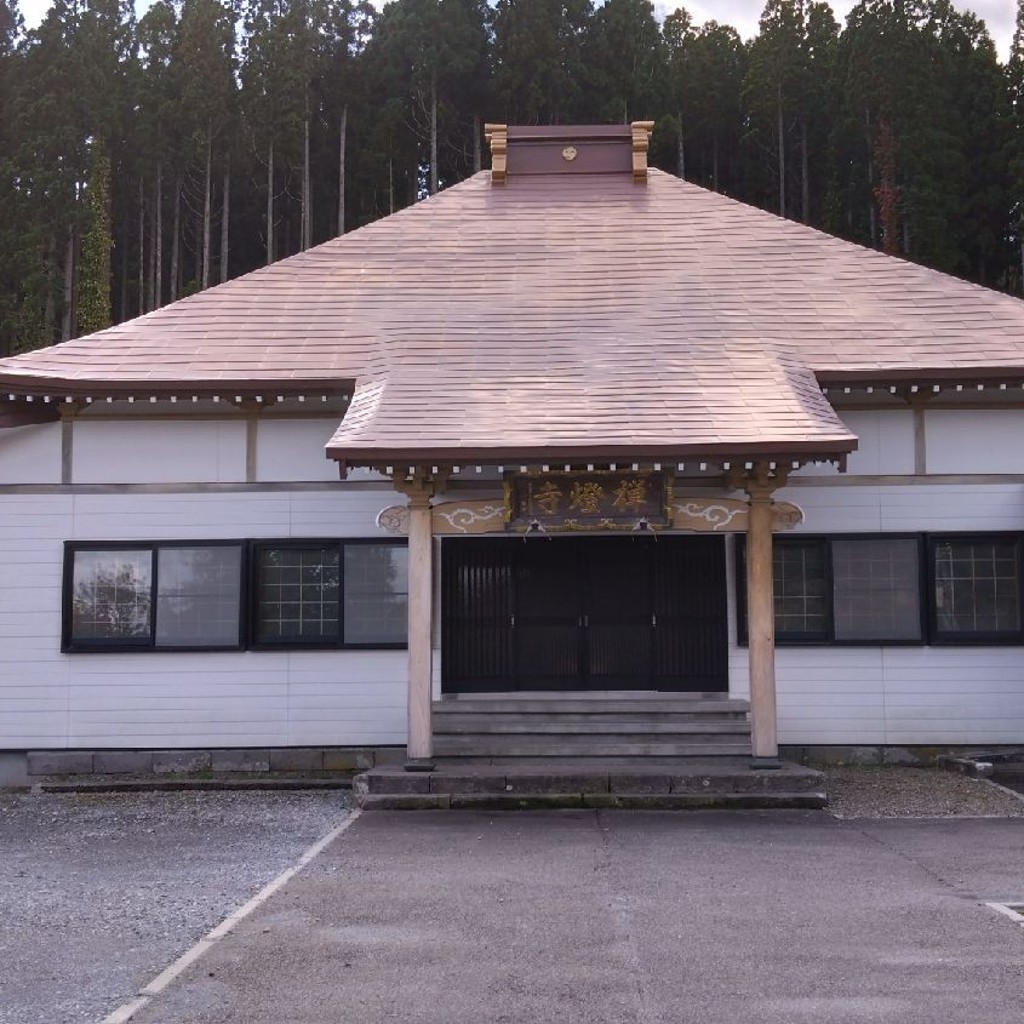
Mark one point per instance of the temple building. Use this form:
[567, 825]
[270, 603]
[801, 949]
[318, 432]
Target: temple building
[572, 430]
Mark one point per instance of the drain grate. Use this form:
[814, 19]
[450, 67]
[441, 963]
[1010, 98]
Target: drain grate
[1013, 909]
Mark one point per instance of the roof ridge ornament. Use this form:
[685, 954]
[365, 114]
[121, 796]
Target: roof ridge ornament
[641, 142]
[525, 150]
[497, 139]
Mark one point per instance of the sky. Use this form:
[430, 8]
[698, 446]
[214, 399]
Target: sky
[741, 14]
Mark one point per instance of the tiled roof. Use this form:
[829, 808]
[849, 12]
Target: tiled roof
[570, 315]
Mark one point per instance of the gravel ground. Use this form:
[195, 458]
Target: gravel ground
[98, 893]
[891, 792]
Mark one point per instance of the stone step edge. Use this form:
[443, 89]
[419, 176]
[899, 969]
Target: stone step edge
[614, 783]
[592, 801]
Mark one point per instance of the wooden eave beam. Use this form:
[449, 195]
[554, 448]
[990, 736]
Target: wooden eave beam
[26, 415]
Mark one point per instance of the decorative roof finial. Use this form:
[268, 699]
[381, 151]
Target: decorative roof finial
[497, 138]
[641, 141]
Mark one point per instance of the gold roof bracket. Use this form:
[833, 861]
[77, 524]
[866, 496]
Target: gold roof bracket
[497, 139]
[641, 143]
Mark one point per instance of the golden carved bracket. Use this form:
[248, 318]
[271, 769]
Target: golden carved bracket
[693, 515]
[449, 518]
[641, 143]
[728, 515]
[497, 138]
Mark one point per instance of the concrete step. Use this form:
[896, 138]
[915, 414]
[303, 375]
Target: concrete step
[588, 724]
[525, 783]
[591, 695]
[630, 801]
[584, 775]
[582, 745]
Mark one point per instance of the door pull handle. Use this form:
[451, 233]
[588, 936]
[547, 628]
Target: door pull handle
[512, 621]
[654, 619]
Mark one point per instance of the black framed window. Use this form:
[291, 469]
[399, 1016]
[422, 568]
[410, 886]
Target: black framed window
[297, 594]
[230, 595]
[976, 588]
[876, 589]
[162, 596]
[843, 590]
[376, 608]
[330, 594]
[800, 578]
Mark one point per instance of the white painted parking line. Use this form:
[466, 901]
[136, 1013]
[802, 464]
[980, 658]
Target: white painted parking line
[127, 1011]
[1010, 910]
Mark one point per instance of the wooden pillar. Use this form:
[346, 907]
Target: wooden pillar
[421, 544]
[760, 485]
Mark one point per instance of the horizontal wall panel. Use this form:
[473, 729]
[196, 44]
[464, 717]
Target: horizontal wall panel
[159, 451]
[31, 454]
[975, 440]
[295, 449]
[885, 444]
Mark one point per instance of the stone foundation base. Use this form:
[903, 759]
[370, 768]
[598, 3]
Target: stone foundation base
[252, 760]
[918, 756]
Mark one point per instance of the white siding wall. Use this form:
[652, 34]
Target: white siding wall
[975, 440]
[30, 455]
[49, 699]
[160, 451]
[885, 444]
[898, 695]
[292, 449]
[826, 695]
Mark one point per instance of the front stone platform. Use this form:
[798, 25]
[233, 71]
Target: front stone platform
[524, 783]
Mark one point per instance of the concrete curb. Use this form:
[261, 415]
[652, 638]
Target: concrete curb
[186, 785]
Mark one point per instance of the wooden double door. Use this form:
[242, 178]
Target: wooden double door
[583, 613]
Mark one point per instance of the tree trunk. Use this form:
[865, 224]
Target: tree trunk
[305, 236]
[142, 249]
[433, 133]
[681, 151]
[477, 162]
[122, 299]
[225, 219]
[50, 305]
[872, 217]
[151, 259]
[782, 154]
[805, 172]
[714, 163]
[342, 144]
[207, 211]
[175, 282]
[1022, 265]
[270, 203]
[158, 277]
[67, 326]
[391, 184]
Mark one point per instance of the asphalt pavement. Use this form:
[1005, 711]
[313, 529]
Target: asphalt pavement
[731, 917]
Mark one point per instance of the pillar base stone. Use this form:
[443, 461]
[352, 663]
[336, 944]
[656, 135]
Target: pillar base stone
[765, 764]
[419, 764]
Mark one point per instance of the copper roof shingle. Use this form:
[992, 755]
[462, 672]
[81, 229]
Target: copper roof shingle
[564, 315]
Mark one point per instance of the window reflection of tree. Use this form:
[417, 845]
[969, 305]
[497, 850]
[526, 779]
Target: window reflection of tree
[376, 593]
[111, 595]
[198, 595]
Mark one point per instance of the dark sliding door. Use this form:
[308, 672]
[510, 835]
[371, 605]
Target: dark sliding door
[583, 613]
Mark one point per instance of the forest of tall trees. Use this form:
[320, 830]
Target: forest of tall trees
[145, 159]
